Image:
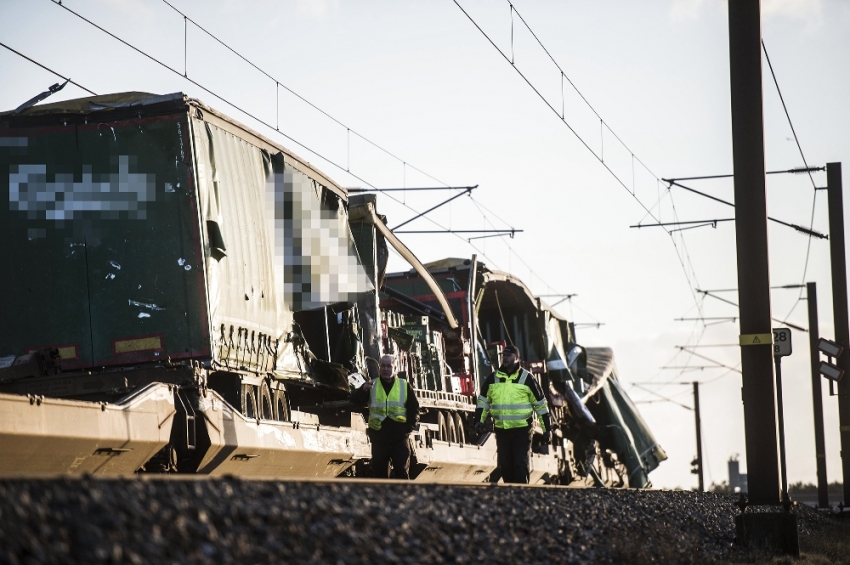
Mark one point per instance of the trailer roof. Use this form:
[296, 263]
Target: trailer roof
[458, 264]
[109, 107]
[91, 104]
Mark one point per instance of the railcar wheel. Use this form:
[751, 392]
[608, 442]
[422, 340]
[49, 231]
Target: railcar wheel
[249, 401]
[281, 406]
[461, 433]
[266, 411]
[451, 428]
[442, 434]
[565, 475]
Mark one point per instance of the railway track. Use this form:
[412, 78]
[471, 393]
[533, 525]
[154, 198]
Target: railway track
[194, 520]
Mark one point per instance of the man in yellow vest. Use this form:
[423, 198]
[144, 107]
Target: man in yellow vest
[393, 413]
[514, 398]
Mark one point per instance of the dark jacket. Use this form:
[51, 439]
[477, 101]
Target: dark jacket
[531, 383]
[391, 431]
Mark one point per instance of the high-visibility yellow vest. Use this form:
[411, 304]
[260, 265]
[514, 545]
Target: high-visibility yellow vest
[511, 401]
[383, 405]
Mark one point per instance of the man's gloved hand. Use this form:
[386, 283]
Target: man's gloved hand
[547, 437]
[479, 428]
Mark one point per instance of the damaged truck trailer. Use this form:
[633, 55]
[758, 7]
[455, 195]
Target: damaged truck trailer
[181, 294]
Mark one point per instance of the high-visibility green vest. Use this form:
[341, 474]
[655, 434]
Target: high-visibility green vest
[383, 405]
[511, 401]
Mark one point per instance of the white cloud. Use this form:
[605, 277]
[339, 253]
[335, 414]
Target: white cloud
[685, 10]
[810, 11]
[316, 9]
[793, 8]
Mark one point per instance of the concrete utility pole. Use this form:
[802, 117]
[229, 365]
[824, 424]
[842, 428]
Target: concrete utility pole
[839, 310]
[817, 397]
[751, 242]
[699, 438]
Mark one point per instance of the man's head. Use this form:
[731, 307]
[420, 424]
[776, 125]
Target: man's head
[387, 367]
[510, 355]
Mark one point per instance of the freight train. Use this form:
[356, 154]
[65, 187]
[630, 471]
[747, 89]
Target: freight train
[180, 294]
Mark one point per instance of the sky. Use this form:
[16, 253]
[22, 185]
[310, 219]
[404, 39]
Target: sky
[412, 94]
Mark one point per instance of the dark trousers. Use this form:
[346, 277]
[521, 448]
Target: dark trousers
[396, 451]
[514, 449]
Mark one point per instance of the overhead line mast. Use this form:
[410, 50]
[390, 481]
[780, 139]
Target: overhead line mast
[752, 259]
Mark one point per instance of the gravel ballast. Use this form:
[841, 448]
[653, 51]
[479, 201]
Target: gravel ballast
[144, 520]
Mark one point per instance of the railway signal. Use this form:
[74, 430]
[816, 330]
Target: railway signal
[828, 369]
[696, 466]
[830, 348]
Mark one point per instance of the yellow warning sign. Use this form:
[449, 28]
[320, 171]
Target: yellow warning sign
[756, 339]
[66, 352]
[138, 344]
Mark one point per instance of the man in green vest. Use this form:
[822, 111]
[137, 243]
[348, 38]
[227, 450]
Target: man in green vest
[393, 413]
[514, 398]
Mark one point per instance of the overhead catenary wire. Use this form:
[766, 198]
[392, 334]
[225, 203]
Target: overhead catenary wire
[803, 157]
[690, 263]
[702, 345]
[449, 230]
[787, 114]
[204, 88]
[561, 117]
[555, 111]
[808, 170]
[276, 126]
[92, 93]
[349, 130]
[697, 330]
[722, 376]
[358, 190]
[247, 113]
[404, 223]
[729, 176]
[718, 363]
[34, 62]
[729, 371]
[808, 231]
[662, 397]
[693, 367]
[732, 318]
[774, 287]
[535, 38]
[564, 75]
[264, 123]
[303, 99]
[212, 93]
[688, 269]
[786, 322]
[701, 222]
[712, 225]
[254, 117]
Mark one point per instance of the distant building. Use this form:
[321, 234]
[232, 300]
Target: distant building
[737, 480]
